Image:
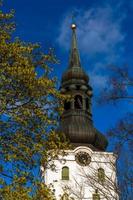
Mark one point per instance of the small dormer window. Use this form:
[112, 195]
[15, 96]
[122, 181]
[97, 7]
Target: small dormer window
[78, 87]
[87, 104]
[78, 103]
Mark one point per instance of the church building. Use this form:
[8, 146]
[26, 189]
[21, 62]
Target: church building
[87, 171]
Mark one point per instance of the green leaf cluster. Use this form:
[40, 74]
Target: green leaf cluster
[29, 109]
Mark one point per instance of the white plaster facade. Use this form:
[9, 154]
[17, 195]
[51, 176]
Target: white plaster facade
[83, 180]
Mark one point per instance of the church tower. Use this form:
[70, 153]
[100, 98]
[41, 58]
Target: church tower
[86, 171]
[76, 121]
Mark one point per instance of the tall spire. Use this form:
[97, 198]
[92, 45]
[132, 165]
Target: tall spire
[74, 60]
[76, 120]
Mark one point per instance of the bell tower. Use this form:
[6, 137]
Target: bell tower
[87, 171]
[76, 121]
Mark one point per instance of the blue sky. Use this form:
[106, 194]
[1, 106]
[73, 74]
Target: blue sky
[105, 36]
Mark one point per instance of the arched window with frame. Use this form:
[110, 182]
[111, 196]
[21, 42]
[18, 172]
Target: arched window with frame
[65, 173]
[78, 102]
[101, 175]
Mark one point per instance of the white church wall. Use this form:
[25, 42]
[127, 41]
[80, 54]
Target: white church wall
[83, 180]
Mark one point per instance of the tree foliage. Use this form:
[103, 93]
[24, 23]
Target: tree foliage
[30, 105]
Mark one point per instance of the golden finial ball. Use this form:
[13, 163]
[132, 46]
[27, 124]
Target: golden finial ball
[73, 26]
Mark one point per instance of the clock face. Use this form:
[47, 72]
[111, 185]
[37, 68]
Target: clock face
[83, 158]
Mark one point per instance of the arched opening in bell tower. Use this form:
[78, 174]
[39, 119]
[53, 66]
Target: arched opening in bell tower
[78, 102]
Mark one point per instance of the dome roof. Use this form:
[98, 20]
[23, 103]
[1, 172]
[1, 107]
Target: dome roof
[75, 73]
[79, 129]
